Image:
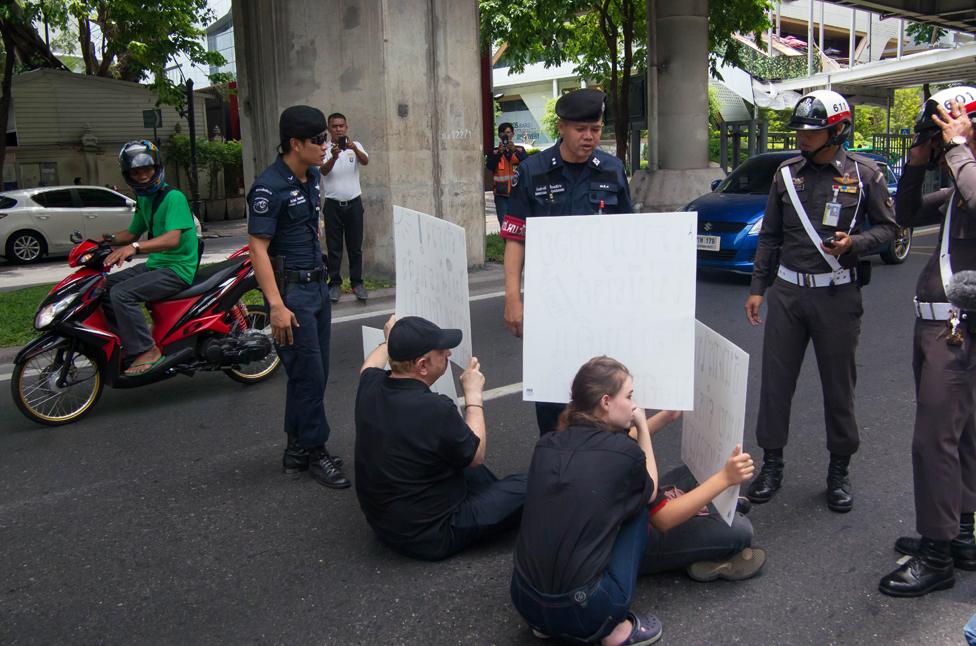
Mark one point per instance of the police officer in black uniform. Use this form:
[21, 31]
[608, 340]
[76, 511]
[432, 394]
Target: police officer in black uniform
[283, 228]
[944, 357]
[571, 178]
[817, 205]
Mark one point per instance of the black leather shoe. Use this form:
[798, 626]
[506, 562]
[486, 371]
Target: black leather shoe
[295, 458]
[743, 506]
[324, 470]
[962, 547]
[930, 571]
[765, 485]
[839, 496]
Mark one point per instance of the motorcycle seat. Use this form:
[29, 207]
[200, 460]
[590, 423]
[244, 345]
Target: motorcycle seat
[208, 277]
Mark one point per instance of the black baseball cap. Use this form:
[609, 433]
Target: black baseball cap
[581, 105]
[301, 122]
[413, 336]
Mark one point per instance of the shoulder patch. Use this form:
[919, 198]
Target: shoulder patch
[515, 177]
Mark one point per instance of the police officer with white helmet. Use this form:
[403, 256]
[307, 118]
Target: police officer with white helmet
[807, 271]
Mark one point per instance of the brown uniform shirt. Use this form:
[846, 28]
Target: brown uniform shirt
[914, 210]
[782, 228]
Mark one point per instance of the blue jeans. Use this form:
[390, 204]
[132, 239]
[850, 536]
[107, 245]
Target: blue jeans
[590, 612]
[970, 631]
[501, 208]
[700, 538]
[306, 362]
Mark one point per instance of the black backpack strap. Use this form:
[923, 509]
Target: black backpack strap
[157, 200]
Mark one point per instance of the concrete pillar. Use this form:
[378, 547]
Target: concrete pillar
[677, 107]
[682, 53]
[405, 74]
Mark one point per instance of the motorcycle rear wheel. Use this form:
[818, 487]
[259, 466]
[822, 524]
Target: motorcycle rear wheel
[35, 390]
[258, 319]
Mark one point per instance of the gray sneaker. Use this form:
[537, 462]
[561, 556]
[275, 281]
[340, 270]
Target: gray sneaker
[744, 565]
[335, 291]
[360, 292]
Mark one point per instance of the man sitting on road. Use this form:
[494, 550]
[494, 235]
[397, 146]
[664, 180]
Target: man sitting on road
[172, 247]
[420, 473]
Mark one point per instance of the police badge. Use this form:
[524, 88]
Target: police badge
[804, 107]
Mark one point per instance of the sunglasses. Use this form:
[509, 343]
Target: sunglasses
[318, 140]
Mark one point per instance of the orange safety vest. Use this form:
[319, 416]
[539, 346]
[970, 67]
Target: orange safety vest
[504, 173]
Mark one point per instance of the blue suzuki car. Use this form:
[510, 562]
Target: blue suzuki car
[730, 217]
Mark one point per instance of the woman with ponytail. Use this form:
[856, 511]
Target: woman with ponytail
[584, 528]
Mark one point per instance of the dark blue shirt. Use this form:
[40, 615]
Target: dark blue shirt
[286, 210]
[544, 185]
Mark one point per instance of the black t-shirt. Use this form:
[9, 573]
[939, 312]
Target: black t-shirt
[411, 448]
[584, 483]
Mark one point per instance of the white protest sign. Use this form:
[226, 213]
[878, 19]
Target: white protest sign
[615, 285]
[432, 274]
[710, 432]
[372, 337]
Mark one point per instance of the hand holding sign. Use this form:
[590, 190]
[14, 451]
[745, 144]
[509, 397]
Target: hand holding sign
[739, 466]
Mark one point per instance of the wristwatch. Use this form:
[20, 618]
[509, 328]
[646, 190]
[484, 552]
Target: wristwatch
[958, 140]
[135, 245]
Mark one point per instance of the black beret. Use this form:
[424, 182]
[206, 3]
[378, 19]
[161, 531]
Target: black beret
[413, 337]
[301, 122]
[581, 105]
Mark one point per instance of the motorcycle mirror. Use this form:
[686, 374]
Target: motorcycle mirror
[76, 236]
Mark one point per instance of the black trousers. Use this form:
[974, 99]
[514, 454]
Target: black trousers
[944, 444]
[831, 318]
[344, 220]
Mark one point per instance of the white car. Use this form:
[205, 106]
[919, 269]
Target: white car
[39, 221]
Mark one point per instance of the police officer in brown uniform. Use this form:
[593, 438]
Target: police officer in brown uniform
[817, 205]
[944, 360]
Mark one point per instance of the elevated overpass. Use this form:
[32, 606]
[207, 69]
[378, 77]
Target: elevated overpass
[948, 14]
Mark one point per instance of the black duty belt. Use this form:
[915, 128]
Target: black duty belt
[344, 203]
[304, 275]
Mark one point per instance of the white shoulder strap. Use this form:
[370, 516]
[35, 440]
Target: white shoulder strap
[860, 194]
[800, 211]
[945, 268]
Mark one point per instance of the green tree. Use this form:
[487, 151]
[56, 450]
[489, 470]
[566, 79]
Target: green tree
[132, 40]
[606, 39]
[924, 34]
[549, 120]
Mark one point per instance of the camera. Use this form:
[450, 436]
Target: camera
[504, 140]
[342, 142]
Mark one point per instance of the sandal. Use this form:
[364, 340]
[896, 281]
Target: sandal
[146, 366]
[647, 630]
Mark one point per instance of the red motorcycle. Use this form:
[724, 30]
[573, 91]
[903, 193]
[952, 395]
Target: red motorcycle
[58, 377]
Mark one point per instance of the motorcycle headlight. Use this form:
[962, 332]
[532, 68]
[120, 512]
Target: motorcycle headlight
[755, 228]
[46, 315]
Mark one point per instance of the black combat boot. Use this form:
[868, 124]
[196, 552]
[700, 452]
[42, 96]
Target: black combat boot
[324, 470]
[839, 496]
[295, 458]
[931, 570]
[963, 546]
[765, 485]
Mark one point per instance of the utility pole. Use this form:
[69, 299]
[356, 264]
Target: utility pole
[194, 178]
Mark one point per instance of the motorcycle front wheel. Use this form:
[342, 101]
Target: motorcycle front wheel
[258, 320]
[52, 389]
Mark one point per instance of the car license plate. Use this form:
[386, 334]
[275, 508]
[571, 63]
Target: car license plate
[709, 243]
